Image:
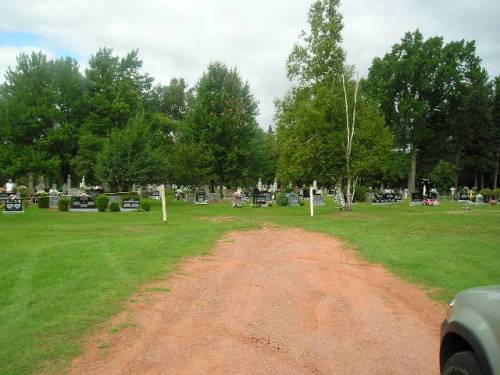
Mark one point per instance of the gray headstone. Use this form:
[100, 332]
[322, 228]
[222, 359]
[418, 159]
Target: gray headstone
[318, 200]
[293, 199]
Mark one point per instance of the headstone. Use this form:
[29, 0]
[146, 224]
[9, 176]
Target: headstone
[259, 185]
[9, 186]
[83, 202]
[53, 201]
[306, 194]
[4, 197]
[213, 197]
[293, 199]
[114, 199]
[41, 184]
[417, 197]
[14, 206]
[464, 196]
[201, 197]
[155, 195]
[131, 204]
[479, 199]
[190, 197]
[269, 196]
[331, 192]
[261, 199]
[318, 200]
[315, 185]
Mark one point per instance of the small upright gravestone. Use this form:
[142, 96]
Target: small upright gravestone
[54, 201]
[83, 203]
[201, 197]
[318, 200]
[131, 205]
[13, 206]
[293, 199]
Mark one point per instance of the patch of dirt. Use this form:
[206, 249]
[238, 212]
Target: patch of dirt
[272, 301]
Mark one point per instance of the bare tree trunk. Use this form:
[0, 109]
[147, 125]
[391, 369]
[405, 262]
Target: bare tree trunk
[495, 174]
[413, 169]
[482, 180]
[348, 206]
[476, 179]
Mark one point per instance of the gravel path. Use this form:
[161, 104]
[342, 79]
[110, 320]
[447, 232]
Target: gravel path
[272, 301]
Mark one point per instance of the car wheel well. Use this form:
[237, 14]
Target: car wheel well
[452, 343]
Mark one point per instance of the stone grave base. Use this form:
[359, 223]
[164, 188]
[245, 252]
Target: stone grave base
[83, 210]
[416, 203]
[201, 203]
[13, 212]
[129, 209]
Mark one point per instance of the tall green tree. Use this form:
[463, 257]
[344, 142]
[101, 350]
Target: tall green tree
[312, 136]
[435, 100]
[129, 157]
[41, 111]
[114, 93]
[222, 118]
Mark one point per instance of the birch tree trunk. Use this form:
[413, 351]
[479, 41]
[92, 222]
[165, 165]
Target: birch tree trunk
[351, 130]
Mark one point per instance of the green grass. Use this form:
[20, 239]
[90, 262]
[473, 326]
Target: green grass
[63, 274]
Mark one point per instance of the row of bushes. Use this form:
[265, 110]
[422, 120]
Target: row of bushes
[490, 193]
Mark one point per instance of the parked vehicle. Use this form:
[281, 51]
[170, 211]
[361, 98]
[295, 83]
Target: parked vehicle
[470, 334]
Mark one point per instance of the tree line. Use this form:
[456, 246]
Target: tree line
[426, 109]
[112, 125]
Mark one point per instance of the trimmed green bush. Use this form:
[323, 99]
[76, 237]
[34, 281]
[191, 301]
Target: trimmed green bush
[114, 207]
[23, 192]
[496, 192]
[486, 192]
[63, 204]
[102, 202]
[43, 201]
[281, 199]
[145, 205]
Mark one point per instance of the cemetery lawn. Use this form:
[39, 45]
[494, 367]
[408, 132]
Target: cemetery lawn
[62, 275]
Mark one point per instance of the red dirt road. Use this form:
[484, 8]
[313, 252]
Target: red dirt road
[273, 301]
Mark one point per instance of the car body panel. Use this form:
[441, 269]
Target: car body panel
[476, 318]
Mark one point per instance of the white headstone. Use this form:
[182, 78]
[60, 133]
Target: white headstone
[259, 185]
[9, 186]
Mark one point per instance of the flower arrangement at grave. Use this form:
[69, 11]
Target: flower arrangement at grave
[84, 195]
[431, 202]
[3, 189]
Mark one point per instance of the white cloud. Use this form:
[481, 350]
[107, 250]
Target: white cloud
[180, 38]
[8, 56]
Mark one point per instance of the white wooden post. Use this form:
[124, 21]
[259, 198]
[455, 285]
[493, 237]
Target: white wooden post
[311, 201]
[163, 203]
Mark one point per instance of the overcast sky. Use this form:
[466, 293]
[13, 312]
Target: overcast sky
[178, 38]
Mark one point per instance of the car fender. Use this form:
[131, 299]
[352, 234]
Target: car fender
[472, 327]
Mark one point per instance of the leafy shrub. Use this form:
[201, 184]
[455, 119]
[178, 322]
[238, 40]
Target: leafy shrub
[114, 207]
[496, 192]
[102, 202]
[63, 204]
[486, 192]
[146, 206]
[23, 192]
[43, 201]
[360, 193]
[281, 199]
